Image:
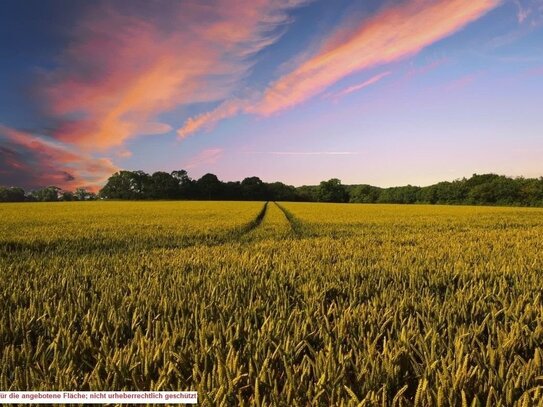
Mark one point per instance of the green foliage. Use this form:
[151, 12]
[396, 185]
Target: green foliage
[49, 194]
[81, 194]
[12, 194]
[332, 191]
[137, 185]
[363, 193]
[486, 189]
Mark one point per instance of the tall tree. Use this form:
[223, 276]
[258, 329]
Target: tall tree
[186, 186]
[12, 194]
[127, 185]
[209, 187]
[48, 194]
[253, 189]
[332, 191]
[163, 186]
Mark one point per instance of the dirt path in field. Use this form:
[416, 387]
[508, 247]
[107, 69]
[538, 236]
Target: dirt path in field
[273, 222]
[273, 225]
[256, 222]
[295, 224]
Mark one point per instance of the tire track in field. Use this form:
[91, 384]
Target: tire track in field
[239, 234]
[86, 246]
[295, 224]
[89, 246]
[256, 222]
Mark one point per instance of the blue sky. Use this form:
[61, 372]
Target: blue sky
[386, 93]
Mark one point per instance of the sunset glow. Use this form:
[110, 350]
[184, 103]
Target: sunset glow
[411, 91]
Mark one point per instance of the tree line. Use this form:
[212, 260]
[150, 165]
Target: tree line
[485, 189]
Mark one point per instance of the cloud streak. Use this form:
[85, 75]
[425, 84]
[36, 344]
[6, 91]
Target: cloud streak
[205, 157]
[208, 120]
[124, 67]
[302, 153]
[529, 11]
[31, 162]
[394, 33]
[360, 86]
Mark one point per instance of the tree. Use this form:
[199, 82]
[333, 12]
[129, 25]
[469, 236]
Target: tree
[531, 191]
[81, 194]
[163, 186]
[141, 184]
[127, 185]
[118, 186]
[308, 193]
[186, 186]
[278, 191]
[332, 191]
[253, 189]
[481, 194]
[484, 189]
[209, 187]
[364, 194]
[232, 190]
[12, 194]
[67, 196]
[48, 194]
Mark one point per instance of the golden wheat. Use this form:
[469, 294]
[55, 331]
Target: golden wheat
[290, 305]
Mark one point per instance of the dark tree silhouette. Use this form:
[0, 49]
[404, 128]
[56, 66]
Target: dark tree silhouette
[484, 189]
[12, 194]
[332, 191]
[253, 189]
[209, 187]
[48, 194]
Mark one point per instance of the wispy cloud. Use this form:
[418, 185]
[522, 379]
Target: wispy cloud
[31, 161]
[461, 82]
[209, 119]
[428, 67]
[125, 66]
[360, 86]
[394, 33]
[304, 152]
[522, 11]
[529, 12]
[205, 157]
[124, 154]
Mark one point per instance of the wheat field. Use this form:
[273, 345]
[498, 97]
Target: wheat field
[275, 304]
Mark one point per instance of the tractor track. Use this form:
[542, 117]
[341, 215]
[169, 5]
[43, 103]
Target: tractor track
[256, 222]
[294, 223]
[90, 246]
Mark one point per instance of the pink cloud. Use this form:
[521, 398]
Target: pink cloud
[207, 120]
[529, 11]
[205, 157]
[360, 86]
[522, 12]
[392, 34]
[32, 161]
[461, 82]
[125, 67]
[302, 153]
[124, 154]
[428, 67]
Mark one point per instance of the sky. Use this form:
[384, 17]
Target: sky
[386, 93]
